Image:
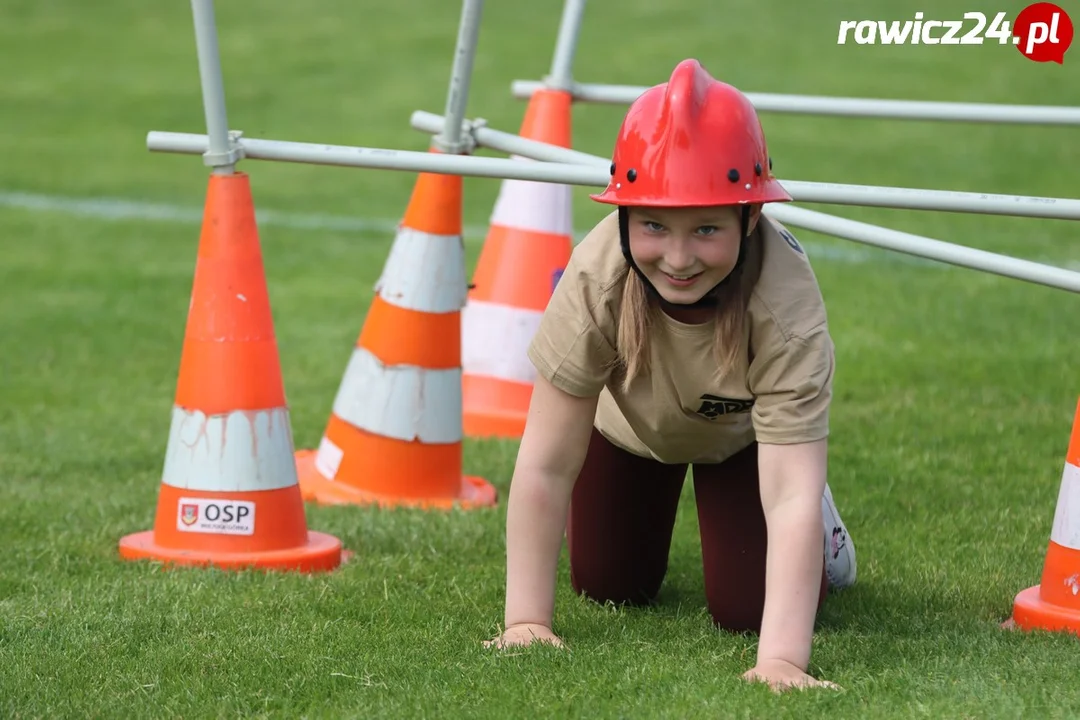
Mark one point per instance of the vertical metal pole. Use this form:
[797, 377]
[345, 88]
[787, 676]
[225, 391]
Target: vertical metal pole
[221, 156]
[562, 73]
[451, 140]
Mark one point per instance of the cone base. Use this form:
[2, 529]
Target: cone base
[314, 487]
[1030, 612]
[321, 553]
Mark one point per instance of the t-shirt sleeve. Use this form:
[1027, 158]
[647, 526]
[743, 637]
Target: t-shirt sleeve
[573, 348]
[792, 385]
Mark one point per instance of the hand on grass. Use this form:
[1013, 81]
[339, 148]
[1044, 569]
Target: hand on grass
[782, 675]
[522, 635]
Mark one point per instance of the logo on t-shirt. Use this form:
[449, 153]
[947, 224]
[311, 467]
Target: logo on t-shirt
[713, 406]
[790, 240]
[555, 278]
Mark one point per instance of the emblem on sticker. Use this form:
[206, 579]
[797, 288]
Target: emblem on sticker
[189, 513]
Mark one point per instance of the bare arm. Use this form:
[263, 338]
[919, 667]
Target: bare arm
[792, 484]
[550, 456]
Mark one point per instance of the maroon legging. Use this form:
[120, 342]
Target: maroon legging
[622, 514]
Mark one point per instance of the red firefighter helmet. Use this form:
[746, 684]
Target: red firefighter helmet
[692, 141]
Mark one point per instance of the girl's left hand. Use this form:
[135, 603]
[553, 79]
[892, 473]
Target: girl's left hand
[782, 675]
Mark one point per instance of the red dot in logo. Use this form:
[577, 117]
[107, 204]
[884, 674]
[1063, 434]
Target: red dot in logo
[1043, 32]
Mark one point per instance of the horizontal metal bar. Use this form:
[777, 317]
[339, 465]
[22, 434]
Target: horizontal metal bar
[925, 247]
[940, 200]
[596, 176]
[386, 159]
[802, 191]
[508, 142]
[843, 106]
[800, 217]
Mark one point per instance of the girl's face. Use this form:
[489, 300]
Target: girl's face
[686, 251]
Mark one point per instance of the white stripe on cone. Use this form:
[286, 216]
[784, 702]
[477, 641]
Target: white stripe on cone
[536, 206]
[424, 272]
[404, 402]
[328, 458]
[1066, 528]
[495, 341]
[242, 451]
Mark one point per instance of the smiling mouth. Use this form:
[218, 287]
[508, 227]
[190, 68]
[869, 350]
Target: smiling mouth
[681, 278]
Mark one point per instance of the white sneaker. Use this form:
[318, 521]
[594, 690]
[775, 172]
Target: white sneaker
[839, 550]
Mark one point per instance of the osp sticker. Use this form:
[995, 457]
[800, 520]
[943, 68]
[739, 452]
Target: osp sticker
[219, 516]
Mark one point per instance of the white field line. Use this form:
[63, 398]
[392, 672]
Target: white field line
[119, 209]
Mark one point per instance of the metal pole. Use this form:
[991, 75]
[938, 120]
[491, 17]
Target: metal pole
[925, 247]
[450, 140]
[571, 174]
[387, 159]
[509, 143]
[845, 107]
[562, 63]
[802, 191]
[936, 200]
[220, 155]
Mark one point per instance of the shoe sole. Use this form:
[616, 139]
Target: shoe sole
[839, 550]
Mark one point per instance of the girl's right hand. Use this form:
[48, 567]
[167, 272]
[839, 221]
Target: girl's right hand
[522, 635]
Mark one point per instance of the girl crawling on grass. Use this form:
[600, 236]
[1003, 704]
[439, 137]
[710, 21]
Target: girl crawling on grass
[687, 330]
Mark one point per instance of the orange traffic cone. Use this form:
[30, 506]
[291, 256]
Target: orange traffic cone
[525, 253]
[1054, 604]
[229, 494]
[394, 437]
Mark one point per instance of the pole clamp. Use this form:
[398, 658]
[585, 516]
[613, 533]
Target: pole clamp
[466, 143]
[234, 154]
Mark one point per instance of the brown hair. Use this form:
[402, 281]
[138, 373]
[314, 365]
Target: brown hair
[640, 307]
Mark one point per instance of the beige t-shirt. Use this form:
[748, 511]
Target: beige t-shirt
[681, 410]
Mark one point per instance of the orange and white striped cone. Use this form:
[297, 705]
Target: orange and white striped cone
[394, 437]
[526, 251]
[1054, 604]
[229, 494]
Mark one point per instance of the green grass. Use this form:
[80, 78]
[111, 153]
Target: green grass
[954, 396]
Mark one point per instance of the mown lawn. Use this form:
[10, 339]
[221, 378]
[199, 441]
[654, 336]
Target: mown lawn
[955, 391]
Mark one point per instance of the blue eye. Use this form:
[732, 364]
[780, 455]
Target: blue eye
[653, 226]
[706, 230]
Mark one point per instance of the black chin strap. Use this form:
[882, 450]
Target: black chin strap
[709, 299]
